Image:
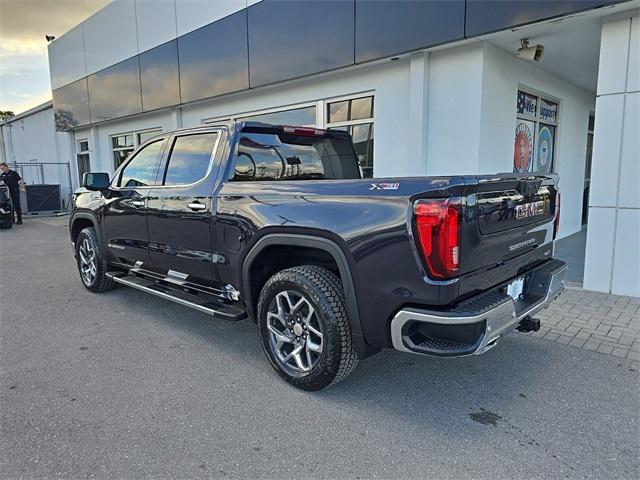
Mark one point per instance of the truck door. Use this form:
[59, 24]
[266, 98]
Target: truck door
[124, 222]
[180, 208]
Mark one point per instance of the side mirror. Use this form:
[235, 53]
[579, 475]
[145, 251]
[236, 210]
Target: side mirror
[96, 181]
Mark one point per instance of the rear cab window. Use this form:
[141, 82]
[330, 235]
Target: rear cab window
[283, 154]
[190, 158]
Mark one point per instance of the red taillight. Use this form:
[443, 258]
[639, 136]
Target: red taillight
[438, 224]
[556, 222]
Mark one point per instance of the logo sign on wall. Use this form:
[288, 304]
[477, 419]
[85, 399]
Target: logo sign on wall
[523, 148]
[544, 148]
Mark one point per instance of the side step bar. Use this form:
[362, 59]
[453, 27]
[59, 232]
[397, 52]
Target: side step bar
[199, 301]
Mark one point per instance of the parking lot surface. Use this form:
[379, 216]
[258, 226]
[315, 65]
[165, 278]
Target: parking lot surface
[125, 385]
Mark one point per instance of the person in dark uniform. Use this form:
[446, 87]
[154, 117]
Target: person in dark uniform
[14, 181]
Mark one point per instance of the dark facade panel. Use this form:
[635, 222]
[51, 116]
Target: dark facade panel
[159, 76]
[115, 91]
[292, 39]
[71, 105]
[213, 59]
[389, 27]
[484, 16]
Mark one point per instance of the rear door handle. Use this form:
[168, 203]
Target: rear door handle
[138, 203]
[197, 206]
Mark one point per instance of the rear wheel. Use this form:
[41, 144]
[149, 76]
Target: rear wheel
[90, 263]
[304, 327]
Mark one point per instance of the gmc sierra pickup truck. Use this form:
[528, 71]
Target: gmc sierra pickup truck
[276, 224]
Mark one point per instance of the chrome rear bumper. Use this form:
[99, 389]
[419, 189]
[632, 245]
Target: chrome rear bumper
[476, 325]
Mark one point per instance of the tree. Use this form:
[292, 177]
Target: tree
[5, 114]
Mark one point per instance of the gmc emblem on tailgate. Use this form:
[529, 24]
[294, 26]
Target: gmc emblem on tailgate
[529, 209]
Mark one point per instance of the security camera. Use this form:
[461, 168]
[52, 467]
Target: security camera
[49, 38]
[533, 53]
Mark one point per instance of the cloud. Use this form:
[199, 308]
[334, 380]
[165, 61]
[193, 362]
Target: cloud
[24, 69]
[22, 102]
[23, 48]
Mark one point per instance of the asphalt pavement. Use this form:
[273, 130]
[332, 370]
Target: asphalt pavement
[126, 385]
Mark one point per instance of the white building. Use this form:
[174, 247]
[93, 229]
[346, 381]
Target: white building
[438, 85]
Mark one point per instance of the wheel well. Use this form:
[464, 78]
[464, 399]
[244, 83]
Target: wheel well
[279, 257]
[79, 225]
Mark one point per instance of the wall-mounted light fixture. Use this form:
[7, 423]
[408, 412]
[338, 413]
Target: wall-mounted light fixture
[527, 52]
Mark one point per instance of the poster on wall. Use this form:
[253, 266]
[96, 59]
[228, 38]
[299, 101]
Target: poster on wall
[544, 148]
[527, 104]
[523, 148]
[548, 110]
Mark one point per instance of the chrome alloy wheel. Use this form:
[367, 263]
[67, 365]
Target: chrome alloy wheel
[88, 262]
[295, 333]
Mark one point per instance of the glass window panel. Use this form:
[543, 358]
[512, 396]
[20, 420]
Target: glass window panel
[526, 104]
[119, 156]
[71, 105]
[284, 38]
[388, 27]
[264, 156]
[122, 141]
[142, 169]
[144, 136]
[361, 108]
[115, 91]
[544, 149]
[190, 158]
[548, 111]
[213, 60]
[362, 136]
[83, 165]
[338, 111]
[296, 116]
[84, 146]
[159, 76]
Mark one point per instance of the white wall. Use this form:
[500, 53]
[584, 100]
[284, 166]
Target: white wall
[99, 136]
[389, 82]
[472, 113]
[454, 117]
[612, 261]
[33, 139]
[502, 76]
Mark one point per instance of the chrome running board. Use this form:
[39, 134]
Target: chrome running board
[200, 301]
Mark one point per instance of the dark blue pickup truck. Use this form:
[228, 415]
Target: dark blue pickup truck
[276, 224]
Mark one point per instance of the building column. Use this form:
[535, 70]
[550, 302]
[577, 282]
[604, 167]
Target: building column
[418, 110]
[176, 118]
[612, 262]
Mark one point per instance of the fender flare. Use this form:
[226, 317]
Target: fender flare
[320, 243]
[88, 215]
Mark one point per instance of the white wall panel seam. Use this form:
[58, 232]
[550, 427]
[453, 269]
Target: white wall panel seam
[624, 108]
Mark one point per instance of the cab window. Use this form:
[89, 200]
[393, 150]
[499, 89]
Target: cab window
[142, 169]
[190, 158]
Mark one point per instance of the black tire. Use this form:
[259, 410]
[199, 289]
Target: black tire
[100, 282]
[6, 224]
[323, 291]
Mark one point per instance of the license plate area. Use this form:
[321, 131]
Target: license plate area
[515, 289]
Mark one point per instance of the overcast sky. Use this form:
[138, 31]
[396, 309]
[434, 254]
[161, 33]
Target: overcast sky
[24, 68]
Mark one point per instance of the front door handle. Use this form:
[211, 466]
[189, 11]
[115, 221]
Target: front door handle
[197, 206]
[138, 203]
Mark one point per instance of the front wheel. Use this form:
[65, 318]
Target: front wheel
[90, 264]
[304, 327]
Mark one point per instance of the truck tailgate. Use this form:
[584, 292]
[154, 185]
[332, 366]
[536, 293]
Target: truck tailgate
[508, 216]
